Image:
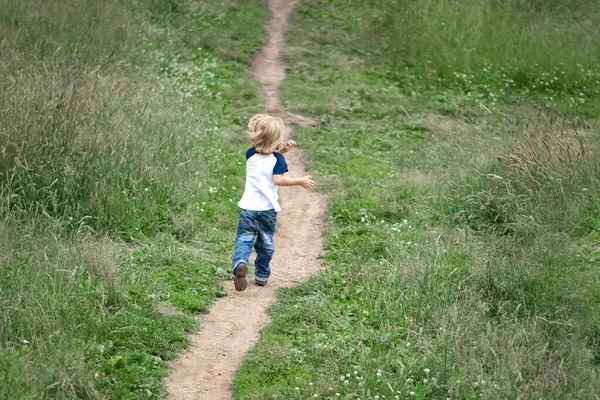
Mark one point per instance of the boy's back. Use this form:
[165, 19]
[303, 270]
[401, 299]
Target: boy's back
[260, 192]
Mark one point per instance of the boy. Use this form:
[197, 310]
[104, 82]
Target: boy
[259, 204]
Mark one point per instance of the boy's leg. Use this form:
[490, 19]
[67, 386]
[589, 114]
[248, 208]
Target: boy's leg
[264, 247]
[246, 234]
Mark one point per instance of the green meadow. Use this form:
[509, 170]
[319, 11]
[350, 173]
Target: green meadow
[121, 129]
[458, 150]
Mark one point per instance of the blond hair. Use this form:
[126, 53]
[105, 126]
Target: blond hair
[266, 133]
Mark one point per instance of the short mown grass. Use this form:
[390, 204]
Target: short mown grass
[122, 139]
[462, 243]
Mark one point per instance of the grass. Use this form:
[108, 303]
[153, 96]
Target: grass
[462, 246]
[80, 324]
[121, 127]
[462, 240]
[458, 52]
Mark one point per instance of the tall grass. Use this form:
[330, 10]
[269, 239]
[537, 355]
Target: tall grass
[94, 141]
[80, 319]
[79, 149]
[121, 124]
[547, 168]
[453, 36]
[475, 51]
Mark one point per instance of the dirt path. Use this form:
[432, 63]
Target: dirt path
[233, 324]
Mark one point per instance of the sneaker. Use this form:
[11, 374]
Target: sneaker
[239, 281]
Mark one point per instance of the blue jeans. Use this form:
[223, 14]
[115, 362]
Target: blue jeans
[255, 228]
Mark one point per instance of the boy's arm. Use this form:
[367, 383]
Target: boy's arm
[306, 182]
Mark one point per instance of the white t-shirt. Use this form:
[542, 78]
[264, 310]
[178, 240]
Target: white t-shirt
[260, 193]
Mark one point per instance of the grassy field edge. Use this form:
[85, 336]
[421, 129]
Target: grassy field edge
[121, 130]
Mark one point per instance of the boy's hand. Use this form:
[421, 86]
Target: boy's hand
[287, 147]
[307, 182]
